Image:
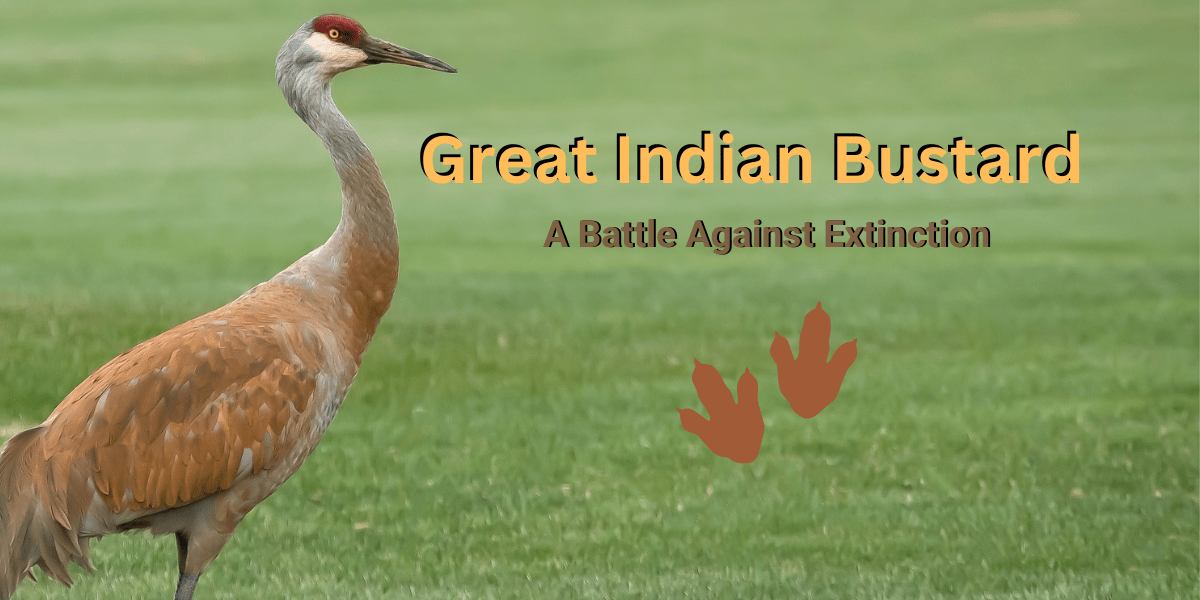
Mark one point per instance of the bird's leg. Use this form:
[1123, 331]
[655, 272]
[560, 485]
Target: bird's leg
[199, 544]
[187, 583]
[181, 544]
[186, 586]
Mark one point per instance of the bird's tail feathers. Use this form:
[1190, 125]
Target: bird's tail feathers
[41, 507]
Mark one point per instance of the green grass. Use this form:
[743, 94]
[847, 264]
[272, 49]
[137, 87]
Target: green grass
[1022, 421]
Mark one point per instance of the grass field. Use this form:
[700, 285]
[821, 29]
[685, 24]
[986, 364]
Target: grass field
[1022, 421]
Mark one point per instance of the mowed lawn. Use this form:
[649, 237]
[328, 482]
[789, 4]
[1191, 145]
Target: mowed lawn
[1021, 422]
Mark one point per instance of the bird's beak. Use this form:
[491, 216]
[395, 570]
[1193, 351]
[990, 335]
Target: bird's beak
[379, 51]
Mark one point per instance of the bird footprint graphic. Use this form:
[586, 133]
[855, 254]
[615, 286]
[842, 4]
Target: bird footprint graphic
[732, 430]
[807, 381]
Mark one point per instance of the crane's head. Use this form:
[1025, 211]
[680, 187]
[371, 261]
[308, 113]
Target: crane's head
[330, 44]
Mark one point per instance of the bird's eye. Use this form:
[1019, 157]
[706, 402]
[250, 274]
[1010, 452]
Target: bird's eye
[334, 34]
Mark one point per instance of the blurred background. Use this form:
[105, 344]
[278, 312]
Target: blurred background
[1021, 421]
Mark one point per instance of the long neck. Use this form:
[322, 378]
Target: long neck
[362, 255]
[367, 216]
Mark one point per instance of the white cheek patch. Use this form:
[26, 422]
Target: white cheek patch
[336, 57]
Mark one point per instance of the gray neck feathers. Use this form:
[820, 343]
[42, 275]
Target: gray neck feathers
[367, 215]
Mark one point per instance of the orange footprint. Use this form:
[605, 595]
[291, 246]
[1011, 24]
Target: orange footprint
[807, 381]
[734, 431]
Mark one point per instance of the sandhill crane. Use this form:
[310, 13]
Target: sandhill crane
[185, 433]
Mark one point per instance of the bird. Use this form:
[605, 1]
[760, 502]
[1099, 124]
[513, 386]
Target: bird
[186, 432]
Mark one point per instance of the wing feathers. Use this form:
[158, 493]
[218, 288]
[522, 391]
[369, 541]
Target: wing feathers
[169, 421]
